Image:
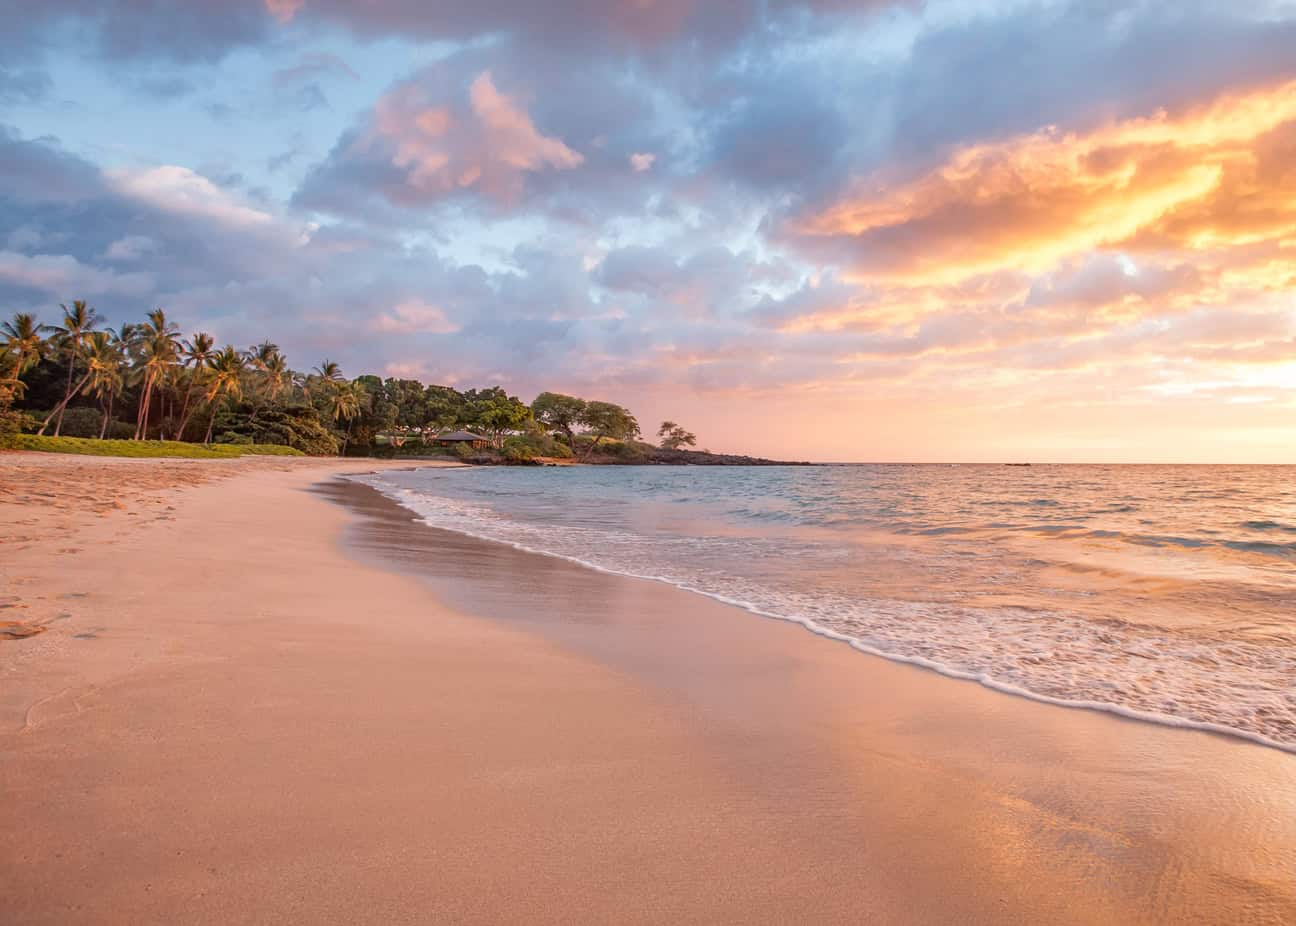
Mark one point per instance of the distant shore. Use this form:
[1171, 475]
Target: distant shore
[261, 694]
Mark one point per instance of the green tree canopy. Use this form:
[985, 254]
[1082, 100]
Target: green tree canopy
[673, 437]
[560, 413]
[606, 420]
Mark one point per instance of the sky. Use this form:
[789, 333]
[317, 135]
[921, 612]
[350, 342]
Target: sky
[868, 230]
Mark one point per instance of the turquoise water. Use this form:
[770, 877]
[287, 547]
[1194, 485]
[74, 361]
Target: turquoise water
[1166, 593]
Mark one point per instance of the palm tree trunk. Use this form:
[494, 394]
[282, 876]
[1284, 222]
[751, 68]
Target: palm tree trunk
[143, 403]
[67, 397]
[347, 439]
[62, 405]
[210, 421]
[107, 410]
[184, 419]
[184, 411]
[146, 402]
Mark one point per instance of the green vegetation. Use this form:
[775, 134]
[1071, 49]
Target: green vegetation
[144, 390]
[673, 437]
[144, 448]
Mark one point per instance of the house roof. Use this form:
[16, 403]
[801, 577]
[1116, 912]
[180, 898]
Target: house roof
[460, 435]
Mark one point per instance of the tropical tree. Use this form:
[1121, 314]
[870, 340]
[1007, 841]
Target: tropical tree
[558, 412]
[673, 437]
[24, 347]
[157, 348]
[494, 411]
[71, 337]
[224, 380]
[194, 353]
[606, 420]
[275, 375]
[106, 366]
[345, 402]
[324, 375]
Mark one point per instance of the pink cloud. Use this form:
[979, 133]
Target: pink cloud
[415, 315]
[61, 274]
[488, 145]
[284, 10]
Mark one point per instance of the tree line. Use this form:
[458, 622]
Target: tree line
[144, 381]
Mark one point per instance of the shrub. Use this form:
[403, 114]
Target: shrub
[230, 437]
[12, 424]
[296, 426]
[82, 422]
[120, 430]
[522, 447]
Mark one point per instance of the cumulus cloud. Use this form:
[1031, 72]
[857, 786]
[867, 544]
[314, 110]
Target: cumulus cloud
[181, 190]
[130, 248]
[641, 161]
[60, 273]
[430, 147]
[415, 315]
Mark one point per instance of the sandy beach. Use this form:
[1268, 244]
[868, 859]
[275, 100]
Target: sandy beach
[262, 694]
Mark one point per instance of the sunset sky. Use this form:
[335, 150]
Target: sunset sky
[830, 229]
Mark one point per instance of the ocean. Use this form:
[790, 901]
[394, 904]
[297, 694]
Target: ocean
[1166, 593]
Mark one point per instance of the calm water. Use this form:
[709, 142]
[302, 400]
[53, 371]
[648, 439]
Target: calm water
[1162, 592]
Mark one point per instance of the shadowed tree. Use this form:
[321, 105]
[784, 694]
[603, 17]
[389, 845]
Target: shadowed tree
[24, 347]
[71, 337]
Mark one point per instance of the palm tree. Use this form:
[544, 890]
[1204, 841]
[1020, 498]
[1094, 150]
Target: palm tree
[71, 337]
[345, 400]
[196, 353]
[325, 374]
[106, 364]
[225, 380]
[157, 354]
[276, 377]
[24, 347]
[266, 359]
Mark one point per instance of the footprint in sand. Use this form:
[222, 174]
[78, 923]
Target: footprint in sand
[19, 630]
[67, 702]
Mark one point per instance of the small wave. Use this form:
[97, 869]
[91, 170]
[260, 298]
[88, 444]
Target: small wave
[1133, 670]
[1269, 526]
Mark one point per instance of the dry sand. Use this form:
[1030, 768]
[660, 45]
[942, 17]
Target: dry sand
[230, 719]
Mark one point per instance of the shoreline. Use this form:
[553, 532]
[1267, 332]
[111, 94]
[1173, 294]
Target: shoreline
[939, 668]
[262, 704]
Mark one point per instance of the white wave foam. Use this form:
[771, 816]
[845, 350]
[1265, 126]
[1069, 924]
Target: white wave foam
[457, 516]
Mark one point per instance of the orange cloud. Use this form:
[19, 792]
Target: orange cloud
[1215, 177]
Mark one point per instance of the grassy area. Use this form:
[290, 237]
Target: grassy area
[146, 448]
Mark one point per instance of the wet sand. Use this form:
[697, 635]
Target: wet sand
[275, 704]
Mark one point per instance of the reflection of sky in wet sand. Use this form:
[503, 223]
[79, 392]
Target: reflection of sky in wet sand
[1072, 815]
